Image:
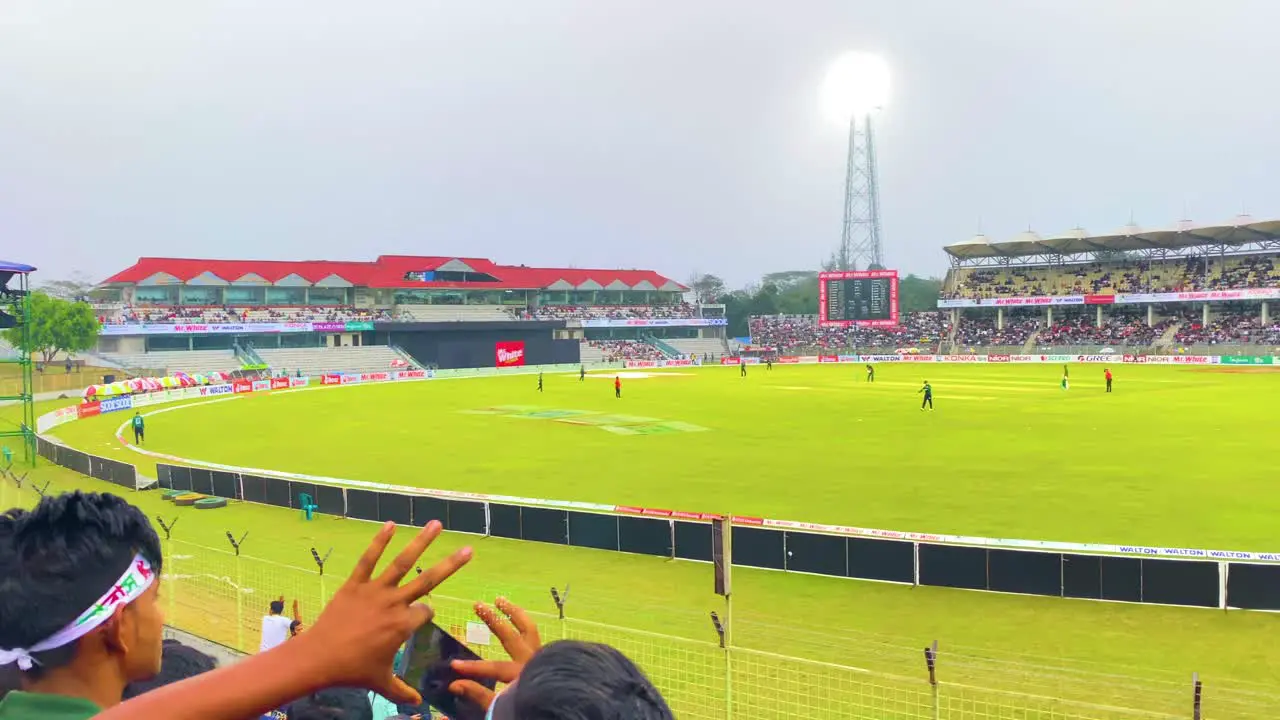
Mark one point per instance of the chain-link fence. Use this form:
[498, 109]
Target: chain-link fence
[830, 673]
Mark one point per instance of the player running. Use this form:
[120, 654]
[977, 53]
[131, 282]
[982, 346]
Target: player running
[139, 429]
[871, 373]
[742, 367]
[617, 386]
[768, 363]
[1106, 373]
[582, 373]
[1065, 384]
[539, 381]
[928, 395]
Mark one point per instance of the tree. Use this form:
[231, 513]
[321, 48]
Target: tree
[789, 278]
[55, 326]
[916, 294]
[74, 288]
[709, 288]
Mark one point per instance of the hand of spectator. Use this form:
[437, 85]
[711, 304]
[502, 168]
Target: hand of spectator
[369, 618]
[519, 638]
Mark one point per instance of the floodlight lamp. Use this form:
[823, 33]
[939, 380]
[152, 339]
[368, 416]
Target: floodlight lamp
[856, 85]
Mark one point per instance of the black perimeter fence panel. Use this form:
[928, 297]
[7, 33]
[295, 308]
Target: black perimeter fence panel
[1195, 582]
[112, 471]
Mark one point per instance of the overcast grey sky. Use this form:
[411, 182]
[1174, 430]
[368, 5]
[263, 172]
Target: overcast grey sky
[676, 136]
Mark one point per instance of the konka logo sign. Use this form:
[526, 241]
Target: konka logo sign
[509, 354]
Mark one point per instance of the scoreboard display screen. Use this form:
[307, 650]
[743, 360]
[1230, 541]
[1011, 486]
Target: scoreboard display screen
[867, 298]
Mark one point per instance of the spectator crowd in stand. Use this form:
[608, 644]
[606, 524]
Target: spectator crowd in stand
[796, 333]
[622, 350]
[1129, 332]
[82, 625]
[983, 332]
[1229, 330]
[1189, 274]
[212, 315]
[607, 312]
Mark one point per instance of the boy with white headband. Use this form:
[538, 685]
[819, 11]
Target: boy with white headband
[79, 580]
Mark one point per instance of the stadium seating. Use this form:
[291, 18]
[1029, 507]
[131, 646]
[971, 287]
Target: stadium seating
[1229, 330]
[316, 361]
[621, 350]
[797, 334]
[147, 314]
[590, 354]
[982, 332]
[1128, 276]
[698, 346]
[455, 313]
[189, 361]
[579, 312]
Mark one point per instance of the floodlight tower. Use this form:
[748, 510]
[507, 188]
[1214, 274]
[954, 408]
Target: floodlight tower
[857, 85]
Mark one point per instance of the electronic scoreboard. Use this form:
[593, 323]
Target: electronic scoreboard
[858, 297]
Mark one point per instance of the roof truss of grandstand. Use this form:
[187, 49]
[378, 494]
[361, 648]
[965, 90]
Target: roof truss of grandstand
[1241, 236]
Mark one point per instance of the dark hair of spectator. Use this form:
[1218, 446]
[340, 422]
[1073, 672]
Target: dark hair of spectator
[178, 662]
[332, 704]
[277, 607]
[57, 560]
[573, 680]
[294, 627]
[9, 680]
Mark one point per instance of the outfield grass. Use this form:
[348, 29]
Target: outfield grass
[1098, 652]
[1175, 457]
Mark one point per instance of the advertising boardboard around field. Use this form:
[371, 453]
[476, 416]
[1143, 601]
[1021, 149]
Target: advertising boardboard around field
[61, 416]
[1120, 299]
[1165, 359]
[260, 385]
[115, 404]
[1247, 360]
[653, 322]
[674, 362]
[231, 328]
[509, 353]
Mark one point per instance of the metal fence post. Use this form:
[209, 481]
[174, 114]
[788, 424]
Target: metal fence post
[235, 545]
[168, 551]
[1196, 693]
[560, 601]
[931, 663]
[320, 561]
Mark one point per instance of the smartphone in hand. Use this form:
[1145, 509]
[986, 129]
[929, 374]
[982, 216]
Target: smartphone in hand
[426, 668]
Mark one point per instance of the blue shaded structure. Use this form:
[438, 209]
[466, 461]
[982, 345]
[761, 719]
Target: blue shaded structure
[15, 323]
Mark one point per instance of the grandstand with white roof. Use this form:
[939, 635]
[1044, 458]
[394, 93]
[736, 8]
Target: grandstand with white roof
[1210, 289]
[1188, 288]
